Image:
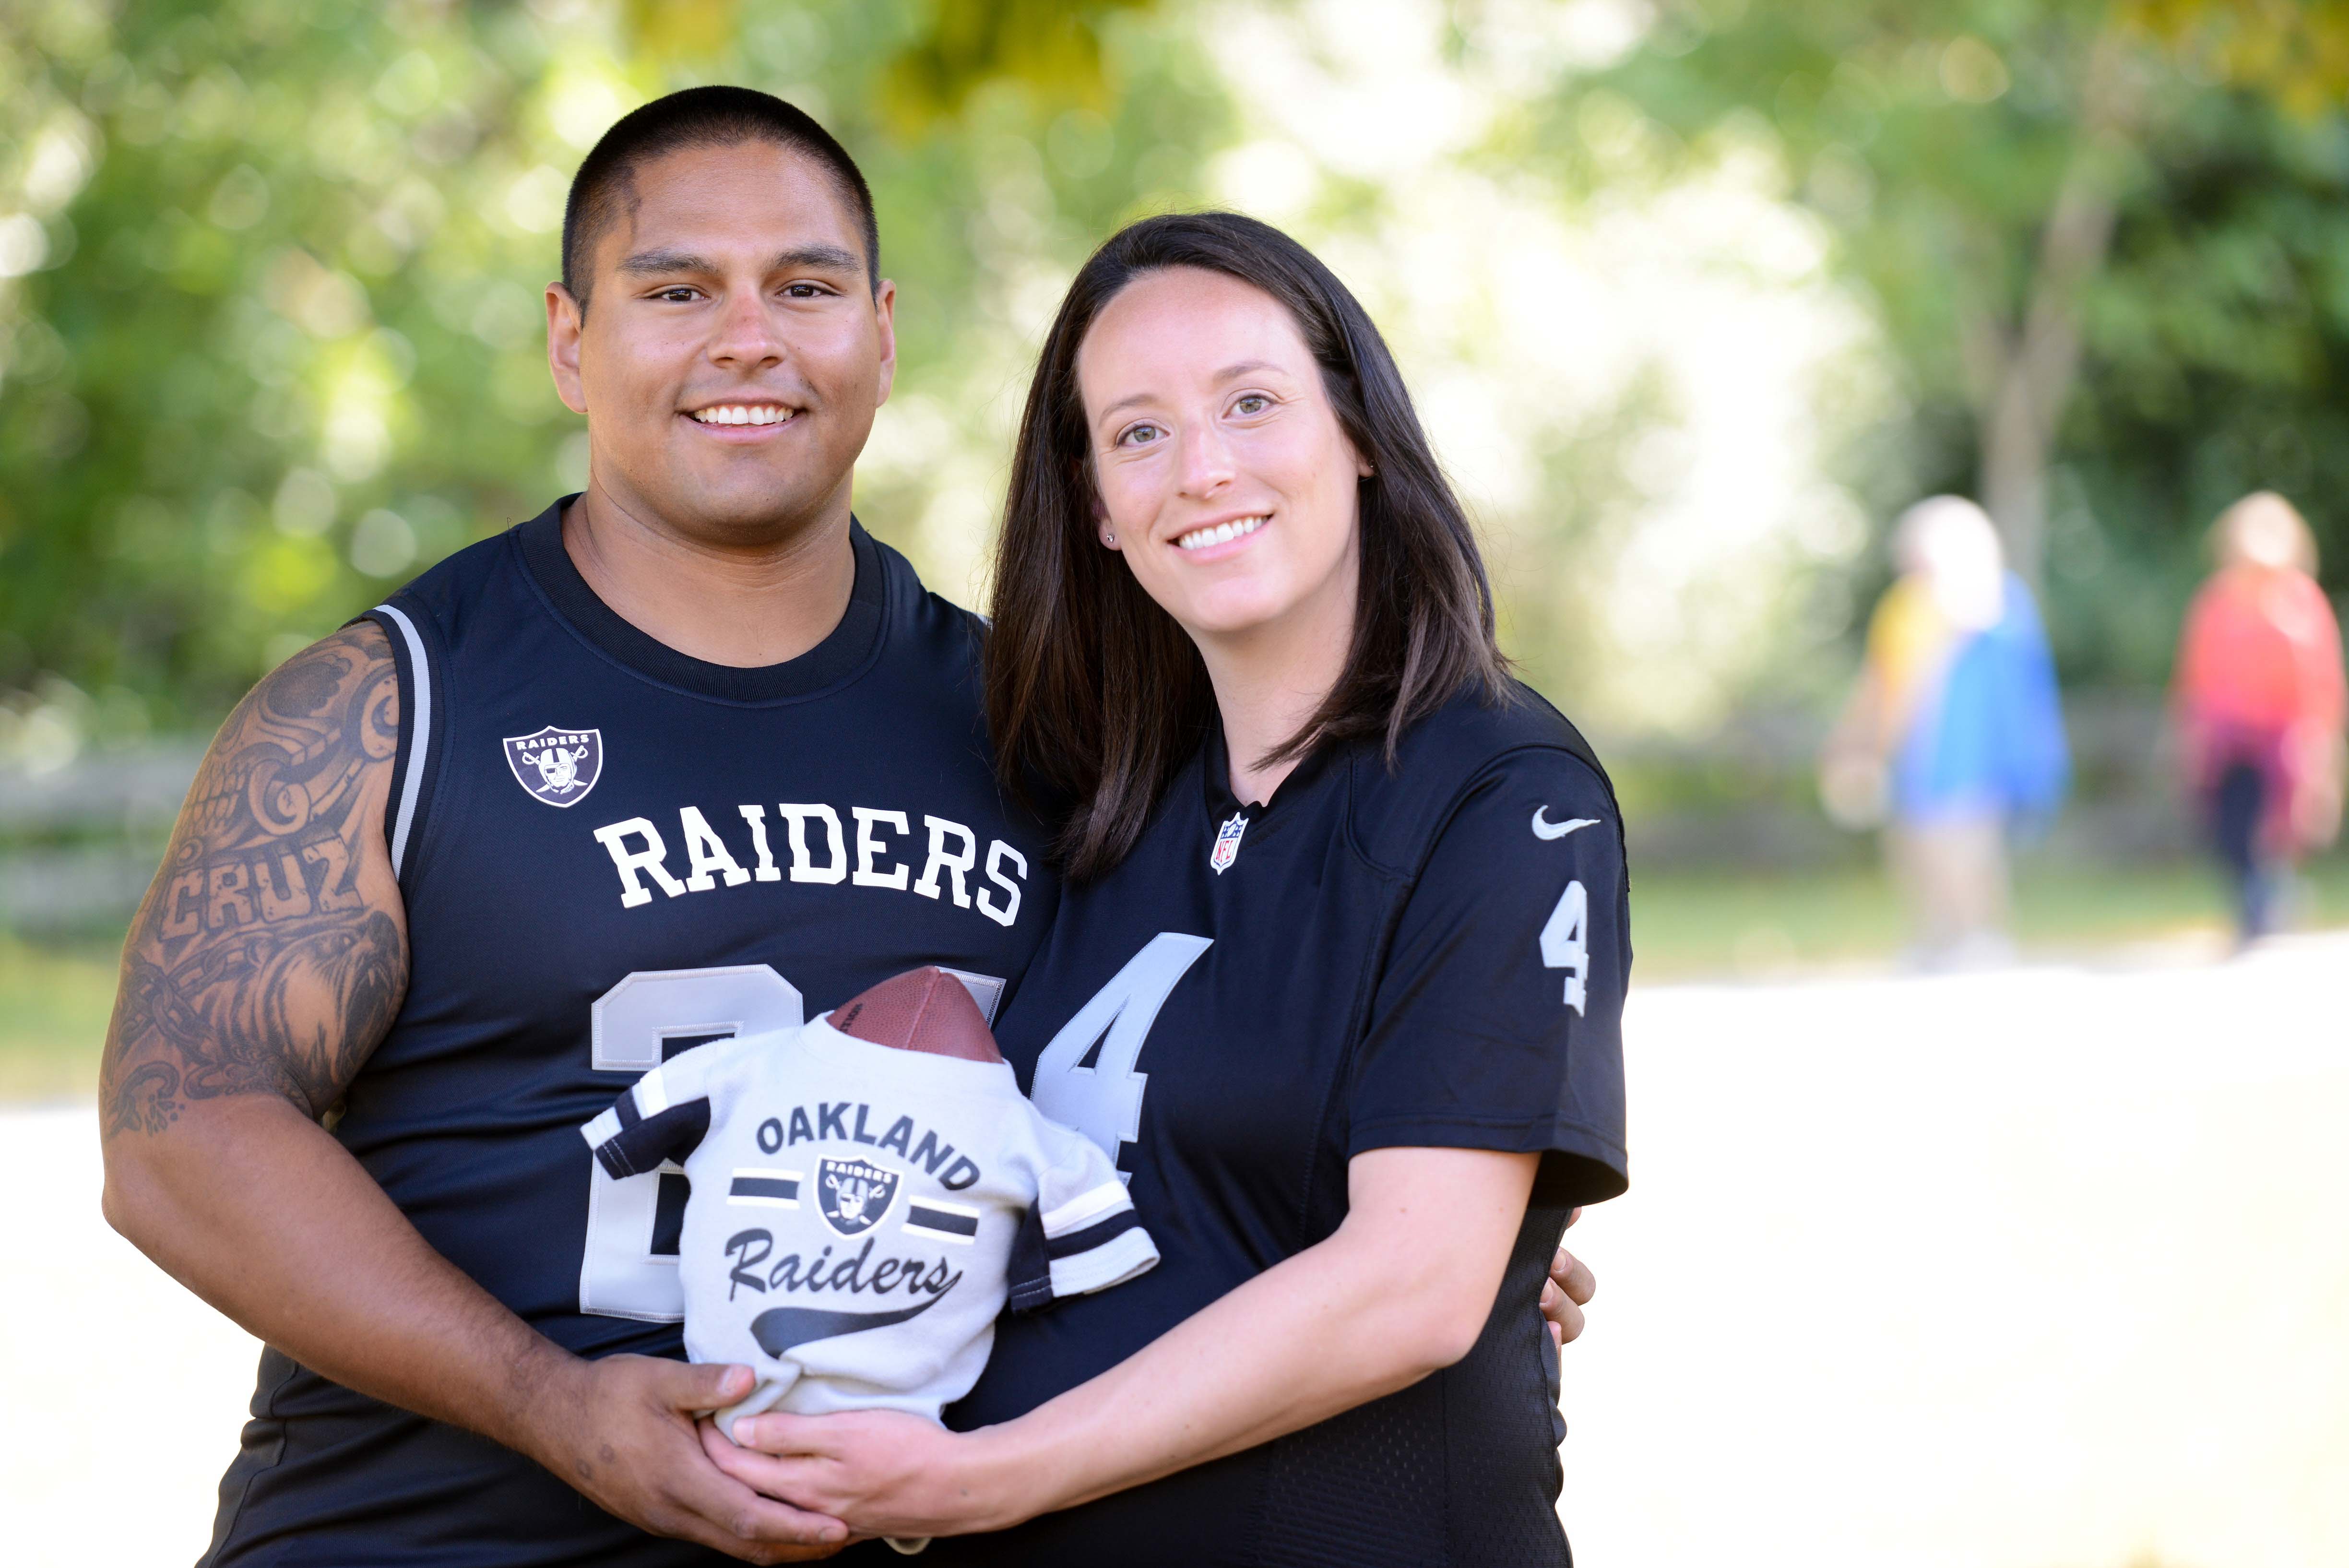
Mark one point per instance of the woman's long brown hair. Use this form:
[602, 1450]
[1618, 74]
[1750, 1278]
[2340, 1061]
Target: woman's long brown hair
[1094, 695]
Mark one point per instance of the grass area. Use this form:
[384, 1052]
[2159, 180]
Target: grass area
[1688, 925]
[54, 999]
[54, 1004]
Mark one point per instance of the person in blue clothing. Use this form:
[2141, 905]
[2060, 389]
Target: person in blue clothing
[1954, 738]
[1337, 978]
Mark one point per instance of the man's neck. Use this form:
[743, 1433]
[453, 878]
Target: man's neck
[746, 606]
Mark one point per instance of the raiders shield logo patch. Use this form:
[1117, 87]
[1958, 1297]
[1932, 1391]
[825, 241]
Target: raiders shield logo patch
[1227, 844]
[853, 1194]
[556, 766]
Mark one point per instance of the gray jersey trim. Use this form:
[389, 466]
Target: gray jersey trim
[419, 734]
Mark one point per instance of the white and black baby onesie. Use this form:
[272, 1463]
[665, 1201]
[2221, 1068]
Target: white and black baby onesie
[860, 1214]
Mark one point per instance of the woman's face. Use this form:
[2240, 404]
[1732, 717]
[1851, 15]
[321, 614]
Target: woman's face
[1226, 480]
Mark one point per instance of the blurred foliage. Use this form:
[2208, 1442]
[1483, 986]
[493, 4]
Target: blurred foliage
[2296, 49]
[2128, 220]
[1046, 45]
[270, 335]
[271, 332]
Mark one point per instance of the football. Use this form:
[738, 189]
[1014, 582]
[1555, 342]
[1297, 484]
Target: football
[924, 1009]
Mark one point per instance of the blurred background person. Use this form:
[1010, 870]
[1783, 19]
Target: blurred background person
[1954, 734]
[2259, 701]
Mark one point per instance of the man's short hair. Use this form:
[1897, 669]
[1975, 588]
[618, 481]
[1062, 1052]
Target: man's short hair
[699, 117]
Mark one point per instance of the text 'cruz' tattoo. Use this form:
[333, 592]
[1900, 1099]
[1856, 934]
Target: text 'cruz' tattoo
[258, 964]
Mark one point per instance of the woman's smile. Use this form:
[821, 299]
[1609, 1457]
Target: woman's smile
[1208, 541]
[1216, 447]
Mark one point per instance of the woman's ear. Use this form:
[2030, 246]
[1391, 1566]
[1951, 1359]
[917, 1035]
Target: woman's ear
[1102, 530]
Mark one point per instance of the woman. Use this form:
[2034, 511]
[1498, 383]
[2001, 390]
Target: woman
[1338, 976]
[2259, 705]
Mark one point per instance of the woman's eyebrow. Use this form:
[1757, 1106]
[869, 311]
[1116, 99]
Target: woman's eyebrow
[1228, 373]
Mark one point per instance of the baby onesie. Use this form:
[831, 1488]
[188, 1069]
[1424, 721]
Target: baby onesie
[860, 1214]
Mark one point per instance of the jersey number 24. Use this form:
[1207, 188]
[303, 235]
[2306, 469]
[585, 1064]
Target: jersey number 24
[634, 1027]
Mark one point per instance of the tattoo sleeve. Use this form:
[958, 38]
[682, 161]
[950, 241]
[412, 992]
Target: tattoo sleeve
[271, 954]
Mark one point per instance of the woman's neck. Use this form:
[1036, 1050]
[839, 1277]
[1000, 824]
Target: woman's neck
[1270, 681]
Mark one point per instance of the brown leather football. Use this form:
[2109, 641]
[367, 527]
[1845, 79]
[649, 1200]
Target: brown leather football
[924, 1009]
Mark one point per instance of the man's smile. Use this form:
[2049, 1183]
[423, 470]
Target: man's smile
[746, 417]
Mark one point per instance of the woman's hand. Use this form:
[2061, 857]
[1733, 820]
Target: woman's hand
[882, 1472]
[1566, 1292]
[1403, 1288]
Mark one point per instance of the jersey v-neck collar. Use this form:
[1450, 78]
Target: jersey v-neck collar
[839, 656]
[1263, 817]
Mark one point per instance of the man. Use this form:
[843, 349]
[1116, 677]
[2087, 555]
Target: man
[689, 756]
[686, 756]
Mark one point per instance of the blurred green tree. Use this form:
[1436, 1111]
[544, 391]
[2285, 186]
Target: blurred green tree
[2107, 244]
[270, 328]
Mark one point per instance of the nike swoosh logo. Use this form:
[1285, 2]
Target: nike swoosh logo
[779, 1328]
[1544, 829]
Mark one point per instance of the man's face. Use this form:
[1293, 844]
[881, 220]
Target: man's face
[732, 353]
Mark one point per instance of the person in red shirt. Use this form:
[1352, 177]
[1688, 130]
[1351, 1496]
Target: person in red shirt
[2260, 705]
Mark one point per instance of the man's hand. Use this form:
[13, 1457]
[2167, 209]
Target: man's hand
[622, 1430]
[1566, 1292]
[267, 963]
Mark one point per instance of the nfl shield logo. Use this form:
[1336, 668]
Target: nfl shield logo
[1227, 844]
[853, 1193]
[556, 766]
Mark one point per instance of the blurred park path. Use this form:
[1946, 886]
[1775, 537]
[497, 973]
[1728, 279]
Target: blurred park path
[2039, 1269]
[124, 1392]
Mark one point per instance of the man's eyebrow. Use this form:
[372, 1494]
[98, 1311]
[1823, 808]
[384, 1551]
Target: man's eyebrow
[666, 261]
[833, 258]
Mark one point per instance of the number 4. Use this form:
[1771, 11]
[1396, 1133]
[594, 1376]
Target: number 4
[1103, 1100]
[1564, 943]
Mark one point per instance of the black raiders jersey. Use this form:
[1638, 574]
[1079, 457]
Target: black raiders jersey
[1434, 955]
[610, 853]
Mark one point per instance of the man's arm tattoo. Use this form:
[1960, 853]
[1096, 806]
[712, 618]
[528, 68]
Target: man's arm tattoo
[259, 963]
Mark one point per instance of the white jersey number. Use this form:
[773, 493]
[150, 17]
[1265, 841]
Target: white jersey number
[1103, 1101]
[620, 1275]
[1564, 942]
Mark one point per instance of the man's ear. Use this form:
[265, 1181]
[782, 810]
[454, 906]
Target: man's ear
[885, 317]
[566, 319]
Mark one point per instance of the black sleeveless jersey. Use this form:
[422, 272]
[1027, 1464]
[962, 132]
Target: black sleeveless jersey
[1434, 954]
[611, 852]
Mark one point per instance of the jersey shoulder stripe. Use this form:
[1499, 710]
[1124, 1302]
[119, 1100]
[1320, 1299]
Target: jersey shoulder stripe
[416, 620]
[416, 737]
